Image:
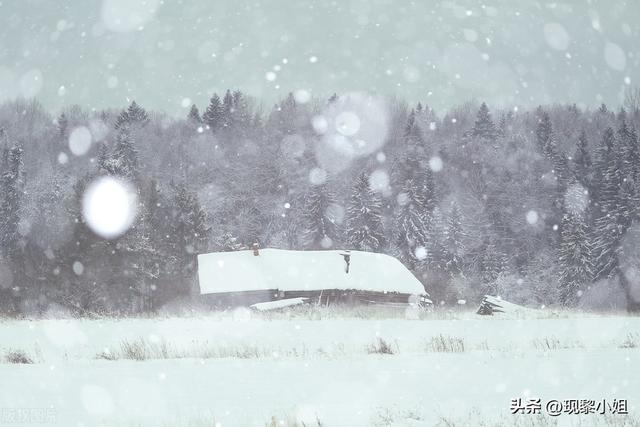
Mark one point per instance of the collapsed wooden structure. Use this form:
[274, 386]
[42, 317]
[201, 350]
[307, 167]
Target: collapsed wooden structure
[491, 305]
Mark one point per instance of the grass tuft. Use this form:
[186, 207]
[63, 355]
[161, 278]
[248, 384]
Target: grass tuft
[380, 347]
[631, 341]
[446, 344]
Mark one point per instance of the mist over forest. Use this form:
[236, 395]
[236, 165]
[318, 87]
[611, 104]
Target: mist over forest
[537, 206]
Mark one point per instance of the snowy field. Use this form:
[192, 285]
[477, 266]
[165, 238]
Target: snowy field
[315, 368]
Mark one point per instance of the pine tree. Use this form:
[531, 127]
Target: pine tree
[11, 190]
[484, 126]
[161, 263]
[453, 241]
[410, 164]
[136, 114]
[63, 126]
[494, 261]
[103, 159]
[629, 163]
[560, 165]
[138, 266]
[190, 234]
[582, 160]
[410, 225]
[194, 115]
[436, 234]
[124, 159]
[613, 218]
[575, 257]
[227, 110]
[611, 176]
[605, 158]
[213, 116]
[544, 132]
[629, 159]
[241, 117]
[502, 126]
[284, 118]
[320, 229]
[364, 218]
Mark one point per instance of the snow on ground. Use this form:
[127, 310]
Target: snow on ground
[246, 370]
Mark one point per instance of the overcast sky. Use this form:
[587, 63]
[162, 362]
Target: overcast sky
[166, 54]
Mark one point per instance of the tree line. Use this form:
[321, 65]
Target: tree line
[536, 206]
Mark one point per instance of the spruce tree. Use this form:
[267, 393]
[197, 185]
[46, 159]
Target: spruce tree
[227, 110]
[410, 164]
[575, 257]
[493, 261]
[410, 225]
[11, 191]
[190, 234]
[484, 126]
[320, 230]
[364, 227]
[162, 261]
[436, 234]
[124, 159]
[612, 220]
[241, 117]
[605, 158]
[544, 132]
[213, 115]
[103, 159]
[63, 126]
[194, 115]
[582, 160]
[453, 243]
[136, 114]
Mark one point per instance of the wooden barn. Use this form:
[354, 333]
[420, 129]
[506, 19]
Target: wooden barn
[246, 278]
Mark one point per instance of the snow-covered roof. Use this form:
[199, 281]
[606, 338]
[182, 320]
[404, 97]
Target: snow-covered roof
[303, 270]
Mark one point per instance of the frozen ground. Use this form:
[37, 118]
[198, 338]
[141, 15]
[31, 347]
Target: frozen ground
[239, 369]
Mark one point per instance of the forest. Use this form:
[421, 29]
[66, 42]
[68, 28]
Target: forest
[538, 206]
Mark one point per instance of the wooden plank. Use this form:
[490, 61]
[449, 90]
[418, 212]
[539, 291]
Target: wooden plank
[275, 305]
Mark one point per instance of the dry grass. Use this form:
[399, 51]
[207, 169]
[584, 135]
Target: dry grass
[631, 341]
[381, 347]
[446, 344]
[140, 350]
[553, 343]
